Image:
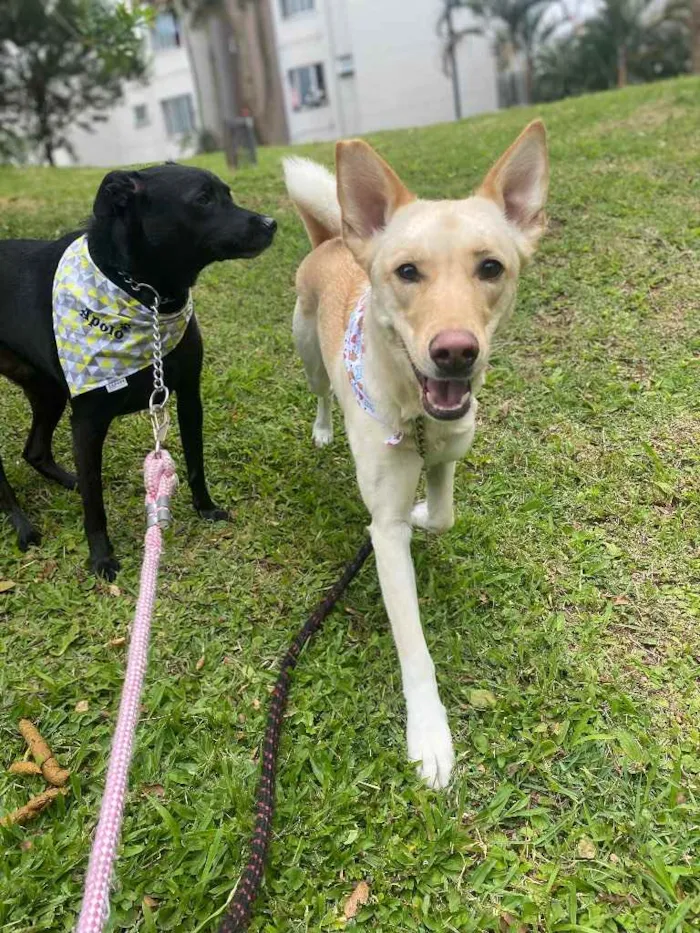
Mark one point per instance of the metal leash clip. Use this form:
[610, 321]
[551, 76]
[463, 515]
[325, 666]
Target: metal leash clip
[160, 422]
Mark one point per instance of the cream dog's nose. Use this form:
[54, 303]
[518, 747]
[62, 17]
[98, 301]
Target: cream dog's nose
[454, 351]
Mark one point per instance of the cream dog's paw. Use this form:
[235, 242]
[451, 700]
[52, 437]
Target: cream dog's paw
[430, 744]
[420, 518]
[322, 435]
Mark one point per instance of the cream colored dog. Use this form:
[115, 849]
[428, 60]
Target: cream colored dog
[397, 305]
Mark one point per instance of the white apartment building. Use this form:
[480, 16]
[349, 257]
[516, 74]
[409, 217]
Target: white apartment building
[355, 66]
[154, 121]
[346, 67]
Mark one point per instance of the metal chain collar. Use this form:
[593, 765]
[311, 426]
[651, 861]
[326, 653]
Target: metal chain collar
[419, 436]
[160, 419]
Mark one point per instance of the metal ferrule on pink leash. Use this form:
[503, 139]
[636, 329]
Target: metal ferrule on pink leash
[160, 481]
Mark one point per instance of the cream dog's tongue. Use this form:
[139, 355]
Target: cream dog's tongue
[446, 393]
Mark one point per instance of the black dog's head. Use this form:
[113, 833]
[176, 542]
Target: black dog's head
[168, 222]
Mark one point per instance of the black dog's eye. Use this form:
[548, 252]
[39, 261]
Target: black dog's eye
[408, 272]
[490, 269]
[205, 197]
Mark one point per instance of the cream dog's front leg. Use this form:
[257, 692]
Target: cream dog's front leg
[436, 511]
[388, 483]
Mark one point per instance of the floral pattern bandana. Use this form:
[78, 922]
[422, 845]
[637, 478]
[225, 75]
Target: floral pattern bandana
[353, 357]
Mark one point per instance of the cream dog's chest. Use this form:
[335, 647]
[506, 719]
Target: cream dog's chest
[449, 442]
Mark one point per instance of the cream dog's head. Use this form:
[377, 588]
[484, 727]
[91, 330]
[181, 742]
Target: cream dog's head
[444, 273]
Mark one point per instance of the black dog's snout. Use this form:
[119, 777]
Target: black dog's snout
[269, 224]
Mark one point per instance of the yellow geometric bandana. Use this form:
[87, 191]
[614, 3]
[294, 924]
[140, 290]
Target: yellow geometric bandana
[103, 334]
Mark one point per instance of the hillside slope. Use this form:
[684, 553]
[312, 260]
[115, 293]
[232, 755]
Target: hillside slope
[568, 589]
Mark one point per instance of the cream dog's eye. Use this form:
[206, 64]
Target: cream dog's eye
[408, 272]
[490, 269]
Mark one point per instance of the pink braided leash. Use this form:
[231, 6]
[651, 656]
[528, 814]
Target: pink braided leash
[160, 481]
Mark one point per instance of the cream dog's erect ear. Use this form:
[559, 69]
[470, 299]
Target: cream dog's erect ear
[518, 182]
[369, 192]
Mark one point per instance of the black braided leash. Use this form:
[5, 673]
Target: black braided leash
[238, 913]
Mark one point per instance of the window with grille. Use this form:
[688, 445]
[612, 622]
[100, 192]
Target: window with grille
[165, 31]
[141, 116]
[291, 7]
[307, 86]
[345, 66]
[179, 114]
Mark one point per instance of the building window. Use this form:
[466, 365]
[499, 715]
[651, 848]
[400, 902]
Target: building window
[165, 32]
[179, 115]
[292, 7]
[345, 66]
[307, 87]
[141, 116]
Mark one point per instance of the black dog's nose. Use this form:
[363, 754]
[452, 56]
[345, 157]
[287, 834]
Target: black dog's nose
[454, 351]
[269, 223]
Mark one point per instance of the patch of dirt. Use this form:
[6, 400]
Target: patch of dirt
[16, 203]
[682, 431]
[648, 117]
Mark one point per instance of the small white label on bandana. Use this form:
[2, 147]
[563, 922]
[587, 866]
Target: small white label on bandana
[116, 385]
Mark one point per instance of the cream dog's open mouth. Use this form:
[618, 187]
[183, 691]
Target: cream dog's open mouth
[444, 399]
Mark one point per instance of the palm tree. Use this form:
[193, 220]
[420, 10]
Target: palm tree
[577, 63]
[515, 26]
[451, 38]
[626, 40]
[623, 22]
[535, 30]
[640, 30]
[687, 12]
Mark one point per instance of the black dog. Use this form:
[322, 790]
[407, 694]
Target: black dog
[160, 226]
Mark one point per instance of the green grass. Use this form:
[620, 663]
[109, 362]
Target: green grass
[568, 588]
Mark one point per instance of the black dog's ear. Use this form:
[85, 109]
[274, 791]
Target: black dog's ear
[116, 193]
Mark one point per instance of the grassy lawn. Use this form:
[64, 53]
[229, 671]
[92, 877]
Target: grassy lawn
[569, 588]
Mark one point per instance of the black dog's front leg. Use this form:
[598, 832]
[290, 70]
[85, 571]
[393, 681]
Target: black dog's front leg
[190, 418]
[88, 439]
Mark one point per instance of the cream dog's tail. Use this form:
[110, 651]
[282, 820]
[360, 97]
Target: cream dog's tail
[312, 188]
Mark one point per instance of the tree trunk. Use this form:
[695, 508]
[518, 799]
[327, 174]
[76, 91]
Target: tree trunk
[37, 90]
[275, 114]
[236, 17]
[260, 89]
[452, 57]
[528, 79]
[695, 35]
[186, 20]
[622, 66]
[225, 75]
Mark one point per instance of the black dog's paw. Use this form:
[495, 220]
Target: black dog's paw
[106, 567]
[214, 515]
[27, 537]
[65, 479]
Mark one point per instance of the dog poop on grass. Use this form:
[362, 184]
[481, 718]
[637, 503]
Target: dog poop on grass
[42, 754]
[45, 764]
[33, 807]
